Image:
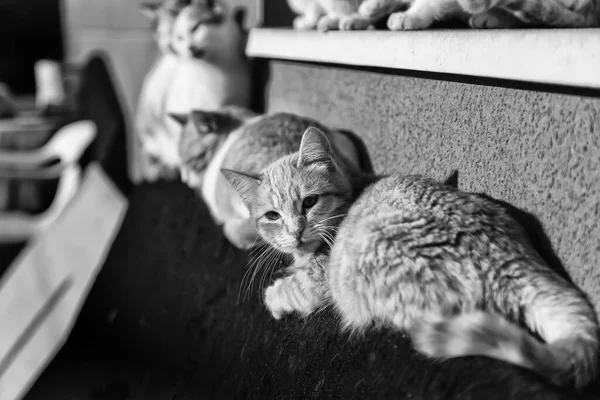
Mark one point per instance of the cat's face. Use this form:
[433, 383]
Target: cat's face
[298, 201]
[164, 16]
[202, 134]
[197, 28]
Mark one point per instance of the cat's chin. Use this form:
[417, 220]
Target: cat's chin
[307, 248]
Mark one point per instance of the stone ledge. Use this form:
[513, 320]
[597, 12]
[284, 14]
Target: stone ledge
[569, 57]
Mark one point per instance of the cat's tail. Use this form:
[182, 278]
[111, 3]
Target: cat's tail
[570, 360]
[550, 13]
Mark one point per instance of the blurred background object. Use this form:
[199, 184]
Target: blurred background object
[30, 31]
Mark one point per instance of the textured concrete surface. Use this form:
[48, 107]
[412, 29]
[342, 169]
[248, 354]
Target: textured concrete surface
[538, 151]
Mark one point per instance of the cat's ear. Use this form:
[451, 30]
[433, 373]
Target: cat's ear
[214, 121]
[179, 118]
[452, 180]
[245, 185]
[204, 121]
[314, 148]
[150, 10]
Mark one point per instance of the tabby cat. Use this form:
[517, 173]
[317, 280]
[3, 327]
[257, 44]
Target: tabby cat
[452, 269]
[420, 14]
[236, 138]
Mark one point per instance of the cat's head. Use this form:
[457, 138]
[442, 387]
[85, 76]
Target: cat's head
[164, 15]
[202, 134]
[200, 30]
[298, 201]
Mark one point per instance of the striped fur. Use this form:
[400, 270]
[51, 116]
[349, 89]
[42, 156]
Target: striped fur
[440, 263]
[568, 358]
[421, 14]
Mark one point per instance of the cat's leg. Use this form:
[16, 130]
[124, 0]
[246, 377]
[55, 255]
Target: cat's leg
[422, 14]
[477, 6]
[241, 233]
[310, 19]
[328, 23]
[355, 22]
[374, 9]
[304, 291]
[369, 12]
[495, 19]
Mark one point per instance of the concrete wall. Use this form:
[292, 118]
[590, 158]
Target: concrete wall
[537, 150]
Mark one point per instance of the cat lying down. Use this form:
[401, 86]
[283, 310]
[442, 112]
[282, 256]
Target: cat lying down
[238, 139]
[421, 14]
[452, 269]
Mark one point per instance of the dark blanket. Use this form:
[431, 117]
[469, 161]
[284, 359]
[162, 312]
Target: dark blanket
[163, 321]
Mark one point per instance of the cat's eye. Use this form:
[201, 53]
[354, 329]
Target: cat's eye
[309, 201]
[272, 215]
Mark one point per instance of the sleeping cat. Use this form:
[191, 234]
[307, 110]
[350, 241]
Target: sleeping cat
[420, 14]
[212, 70]
[236, 138]
[151, 120]
[452, 269]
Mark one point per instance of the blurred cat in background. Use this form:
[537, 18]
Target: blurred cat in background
[421, 14]
[151, 118]
[202, 66]
[452, 269]
[212, 71]
[237, 138]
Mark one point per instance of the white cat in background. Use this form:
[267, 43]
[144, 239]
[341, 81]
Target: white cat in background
[209, 70]
[212, 70]
[151, 119]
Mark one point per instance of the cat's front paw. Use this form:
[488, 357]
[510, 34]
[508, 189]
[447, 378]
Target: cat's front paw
[276, 300]
[407, 22]
[302, 24]
[354, 23]
[494, 20]
[376, 8]
[327, 23]
[477, 6]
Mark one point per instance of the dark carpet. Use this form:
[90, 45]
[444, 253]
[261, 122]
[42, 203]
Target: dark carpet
[164, 321]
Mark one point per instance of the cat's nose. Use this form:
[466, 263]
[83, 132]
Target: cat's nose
[197, 52]
[299, 234]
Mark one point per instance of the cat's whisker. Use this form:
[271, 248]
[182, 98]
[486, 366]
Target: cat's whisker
[254, 265]
[330, 229]
[279, 260]
[267, 266]
[276, 262]
[332, 217]
[249, 267]
[326, 239]
[329, 236]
